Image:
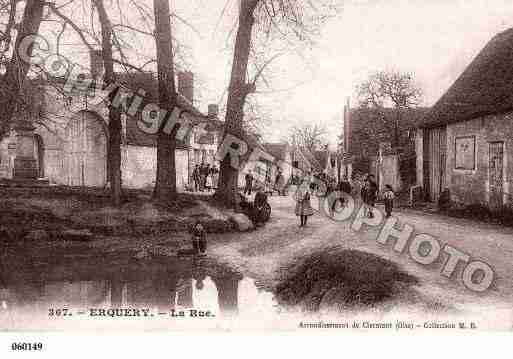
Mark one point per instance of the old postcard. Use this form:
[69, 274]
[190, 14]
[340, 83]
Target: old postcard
[232, 165]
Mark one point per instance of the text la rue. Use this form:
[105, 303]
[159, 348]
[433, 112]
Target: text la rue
[194, 313]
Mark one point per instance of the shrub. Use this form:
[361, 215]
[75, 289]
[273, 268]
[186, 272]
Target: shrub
[358, 277]
[478, 211]
[444, 201]
[504, 215]
[481, 212]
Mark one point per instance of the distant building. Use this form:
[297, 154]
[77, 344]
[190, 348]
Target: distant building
[328, 163]
[465, 143]
[381, 141]
[282, 153]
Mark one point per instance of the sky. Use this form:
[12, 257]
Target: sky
[433, 39]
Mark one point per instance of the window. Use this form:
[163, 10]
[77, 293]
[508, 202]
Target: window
[465, 153]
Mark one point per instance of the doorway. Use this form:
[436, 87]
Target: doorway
[40, 155]
[496, 174]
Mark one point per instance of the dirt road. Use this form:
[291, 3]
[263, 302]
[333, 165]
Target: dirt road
[262, 253]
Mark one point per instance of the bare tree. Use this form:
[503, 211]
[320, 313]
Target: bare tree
[389, 87]
[114, 148]
[107, 40]
[262, 21]
[311, 137]
[392, 88]
[165, 187]
[17, 69]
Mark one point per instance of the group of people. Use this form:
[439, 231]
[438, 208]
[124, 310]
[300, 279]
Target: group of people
[279, 183]
[205, 177]
[306, 188]
[369, 195]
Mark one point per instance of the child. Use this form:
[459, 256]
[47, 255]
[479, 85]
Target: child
[389, 200]
[199, 239]
[303, 207]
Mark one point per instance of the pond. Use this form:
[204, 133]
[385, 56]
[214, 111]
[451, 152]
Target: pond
[168, 294]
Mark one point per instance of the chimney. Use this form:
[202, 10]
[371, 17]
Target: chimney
[213, 110]
[96, 63]
[186, 85]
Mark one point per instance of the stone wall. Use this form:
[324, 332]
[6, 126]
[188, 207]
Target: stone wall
[472, 186]
[139, 167]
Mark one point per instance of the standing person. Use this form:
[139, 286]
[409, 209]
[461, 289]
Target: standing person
[279, 183]
[303, 206]
[199, 239]
[389, 200]
[249, 183]
[203, 177]
[364, 194]
[196, 177]
[372, 192]
[343, 187]
[215, 177]
[208, 181]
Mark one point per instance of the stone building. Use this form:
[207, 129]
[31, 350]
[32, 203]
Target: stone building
[465, 143]
[328, 162]
[381, 141]
[283, 160]
[66, 143]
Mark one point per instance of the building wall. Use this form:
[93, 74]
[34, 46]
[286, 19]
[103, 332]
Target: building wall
[419, 149]
[53, 157]
[472, 186]
[7, 155]
[139, 167]
[388, 172]
[286, 166]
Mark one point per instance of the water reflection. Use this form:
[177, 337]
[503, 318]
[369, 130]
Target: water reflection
[199, 284]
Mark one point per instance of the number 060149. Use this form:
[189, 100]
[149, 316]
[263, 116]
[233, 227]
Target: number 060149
[26, 346]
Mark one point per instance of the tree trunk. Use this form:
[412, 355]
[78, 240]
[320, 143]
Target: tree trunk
[237, 93]
[17, 69]
[397, 141]
[114, 147]
[165, 186]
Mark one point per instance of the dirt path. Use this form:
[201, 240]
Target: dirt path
[262, 253]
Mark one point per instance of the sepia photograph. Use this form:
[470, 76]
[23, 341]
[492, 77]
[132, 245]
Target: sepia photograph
[324, 167]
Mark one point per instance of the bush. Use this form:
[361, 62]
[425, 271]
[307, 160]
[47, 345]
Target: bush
[481, 212]
[478, 211]
[504, 215]
[444, 201]
[358, 278]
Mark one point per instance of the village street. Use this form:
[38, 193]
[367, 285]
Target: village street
[262, 253]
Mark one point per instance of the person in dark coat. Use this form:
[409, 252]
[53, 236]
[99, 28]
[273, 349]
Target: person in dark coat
[389, 200]
[249, 183]
[279, 183]
[203, 176]
[196, 177]
[345, 186]
[371, 192]
[199, 239]
[342, 187]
